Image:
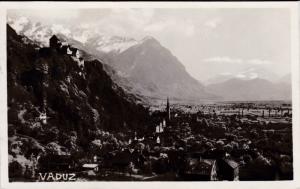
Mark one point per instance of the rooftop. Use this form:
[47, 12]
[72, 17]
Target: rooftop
[90, 165]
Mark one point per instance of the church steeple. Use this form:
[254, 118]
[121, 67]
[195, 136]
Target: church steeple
[168, 110]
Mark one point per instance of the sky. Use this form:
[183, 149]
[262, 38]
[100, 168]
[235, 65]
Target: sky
[207, 41]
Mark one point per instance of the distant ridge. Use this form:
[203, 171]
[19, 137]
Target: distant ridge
[254, 89]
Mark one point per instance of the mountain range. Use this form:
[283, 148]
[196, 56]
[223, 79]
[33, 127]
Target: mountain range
[249, 90]
[149, 70]
[246, 74]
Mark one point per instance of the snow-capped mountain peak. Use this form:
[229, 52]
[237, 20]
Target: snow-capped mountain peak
[18, 24]
[247, 74]
[147, 38]
[35, 31]
[115, 43]
[98, 41]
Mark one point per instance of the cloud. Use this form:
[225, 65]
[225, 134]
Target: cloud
[241, 76]
[229, 60]
[82, 37]
[226, 73]
[187, 27]
[44, 16]
[224, 59]
[126, 22]
[253, 75]
[19, 24]
[57, 28]
[259, 62]
[190, 30]
[156, 27]
[213, 23]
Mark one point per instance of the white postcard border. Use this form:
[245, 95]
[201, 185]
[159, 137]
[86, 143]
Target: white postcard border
[292, 6]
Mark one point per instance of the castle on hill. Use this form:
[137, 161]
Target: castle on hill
[62, 47]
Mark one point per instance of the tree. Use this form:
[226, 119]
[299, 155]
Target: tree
[96, 147]
[54, 148]
[15, 169]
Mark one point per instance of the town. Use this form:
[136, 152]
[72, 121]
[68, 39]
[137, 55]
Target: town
[226, 141]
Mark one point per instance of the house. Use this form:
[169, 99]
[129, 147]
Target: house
[95, 159]
[75, 52]
[159, 128]
[198, 169]
[91, 167]
[65, 49]
[158, 140]
[54, 42]
[43, 117]
[64, 43]
[228, 169]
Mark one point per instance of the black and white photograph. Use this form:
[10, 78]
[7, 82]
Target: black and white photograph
[150, 94]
